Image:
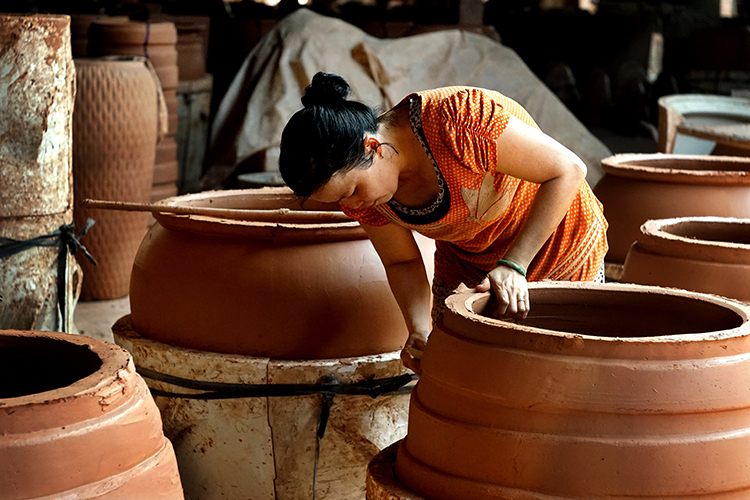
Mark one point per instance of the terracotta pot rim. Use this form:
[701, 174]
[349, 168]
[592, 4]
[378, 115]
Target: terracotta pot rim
[247, 228]
[115, 363]
[636, 166]
[461, 310]
[656, 236]
[51, 17]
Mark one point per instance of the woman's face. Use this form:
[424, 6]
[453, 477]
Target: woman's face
[360, 187]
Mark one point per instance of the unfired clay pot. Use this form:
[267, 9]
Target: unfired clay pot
[288, 290]
[77, 421]
[639, 187]
[704, 254]
[605, 391]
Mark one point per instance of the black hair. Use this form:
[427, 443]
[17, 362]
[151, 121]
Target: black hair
[326, 136]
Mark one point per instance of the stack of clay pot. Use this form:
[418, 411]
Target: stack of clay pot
[704, 254]
[116, 127]
[640, 187]
[156, 41]
[604, 391]
[264, 292]
[79, 30]
[77, 421]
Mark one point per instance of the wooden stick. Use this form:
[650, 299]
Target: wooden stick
[274, 215]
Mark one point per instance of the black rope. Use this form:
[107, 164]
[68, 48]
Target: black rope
[68, 241]
[222, 390]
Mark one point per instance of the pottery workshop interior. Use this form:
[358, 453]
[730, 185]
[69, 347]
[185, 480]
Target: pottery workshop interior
[374, 249]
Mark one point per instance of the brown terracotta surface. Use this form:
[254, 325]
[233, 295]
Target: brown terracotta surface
[284, 290]
[606, 391]
[382, 483]
[704, 254]
[114, 146]
[76, 421]
[639, 187]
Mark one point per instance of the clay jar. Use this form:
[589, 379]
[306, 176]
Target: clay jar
[704, 254]
[307, 289]
[77, 421]
[605, 391]
[639, 187]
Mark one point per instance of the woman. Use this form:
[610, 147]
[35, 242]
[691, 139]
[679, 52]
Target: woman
[467, 167]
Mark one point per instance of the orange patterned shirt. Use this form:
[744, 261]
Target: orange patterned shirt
[479, 211]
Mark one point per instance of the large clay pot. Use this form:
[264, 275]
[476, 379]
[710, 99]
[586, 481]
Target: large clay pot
[605, 391]
[639, 187]
[703, 254]
[288, 290]
[77, 421]
[37, 82]
[115, 132]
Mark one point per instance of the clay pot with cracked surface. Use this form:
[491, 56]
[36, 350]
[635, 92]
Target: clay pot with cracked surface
[285, 288]
[639, 187]
[703, 254]
[77, 421]
[605, 391]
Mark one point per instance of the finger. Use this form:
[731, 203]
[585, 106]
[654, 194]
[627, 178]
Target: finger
[409, 362]
[503, 301]
[523, 309]
[484, 285]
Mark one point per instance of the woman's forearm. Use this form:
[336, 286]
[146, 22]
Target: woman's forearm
[548, 209]
[410, 287]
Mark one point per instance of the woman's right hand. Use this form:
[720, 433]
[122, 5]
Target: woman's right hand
[411, 354]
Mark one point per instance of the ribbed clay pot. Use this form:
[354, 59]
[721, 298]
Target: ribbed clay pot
[77, 421]
[286, 289]
[115, 131]
[605, 391]
[639, 187]
[703, 254]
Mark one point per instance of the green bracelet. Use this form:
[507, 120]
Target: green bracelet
[512, 265]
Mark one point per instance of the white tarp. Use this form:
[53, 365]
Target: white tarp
[267, 89]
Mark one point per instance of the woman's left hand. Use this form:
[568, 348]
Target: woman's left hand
[511, 292]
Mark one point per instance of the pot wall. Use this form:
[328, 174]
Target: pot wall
[606, 391]
[639, 187]
[284, 290]
[76, 421]
[703, 254]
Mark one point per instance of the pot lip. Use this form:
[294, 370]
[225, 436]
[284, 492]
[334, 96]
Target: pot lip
[627, 166]
[655, 236]
[179, 221]
[461, 304]
[116, 364]
[51, 17]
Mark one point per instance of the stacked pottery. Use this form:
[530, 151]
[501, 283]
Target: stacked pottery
[604, 391]
[232, 310]
[157, 42]
[37, 82]
[704, 254]
[79, 30]
[77, 421]
[116, 127]
[639, 187]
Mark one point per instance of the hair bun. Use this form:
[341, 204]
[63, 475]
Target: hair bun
[326, 89]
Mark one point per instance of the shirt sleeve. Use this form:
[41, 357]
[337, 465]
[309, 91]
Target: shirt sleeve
[471, 122]
[366, 216]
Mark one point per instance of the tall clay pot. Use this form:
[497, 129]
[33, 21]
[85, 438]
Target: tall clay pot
[703, 254]
[37, 81]
[639, 187]
[288, 289]
[77, 421]
[116, 127]
[605, 391]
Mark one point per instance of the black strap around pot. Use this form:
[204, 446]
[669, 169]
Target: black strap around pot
[68, 241]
